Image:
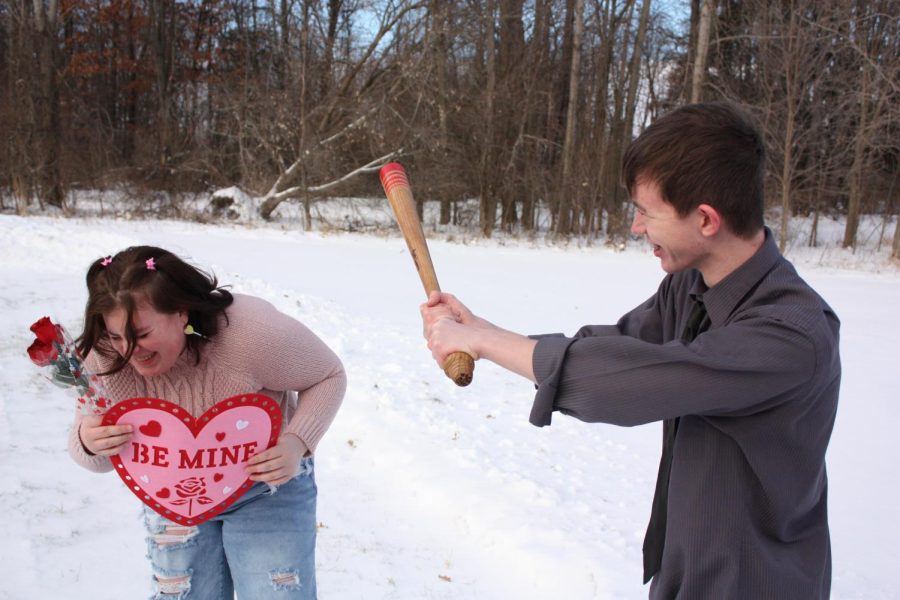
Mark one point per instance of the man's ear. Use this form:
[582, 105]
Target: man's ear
[710, 220]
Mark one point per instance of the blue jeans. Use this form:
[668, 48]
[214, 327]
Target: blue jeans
[262, 547]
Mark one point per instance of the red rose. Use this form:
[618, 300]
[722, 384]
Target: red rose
[45, 330]
[42, 353]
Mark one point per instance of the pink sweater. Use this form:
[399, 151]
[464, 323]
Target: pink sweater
[260, 350]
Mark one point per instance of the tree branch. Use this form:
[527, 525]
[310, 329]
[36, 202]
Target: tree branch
[370, 167]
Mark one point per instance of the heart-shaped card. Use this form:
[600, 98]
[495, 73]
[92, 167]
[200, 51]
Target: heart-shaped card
[186, 469]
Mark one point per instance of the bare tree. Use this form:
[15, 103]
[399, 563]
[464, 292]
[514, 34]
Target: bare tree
[333, 125]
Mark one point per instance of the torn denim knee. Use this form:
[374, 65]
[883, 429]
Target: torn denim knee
[171, 585]
[165, 535]
[174, 535]
[285, 579]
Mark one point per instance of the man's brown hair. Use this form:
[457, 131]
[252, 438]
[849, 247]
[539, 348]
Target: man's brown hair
[703, 154]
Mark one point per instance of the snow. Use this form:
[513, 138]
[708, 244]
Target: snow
[426, 490]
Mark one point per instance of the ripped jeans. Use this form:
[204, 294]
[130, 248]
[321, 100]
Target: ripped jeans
[262, 547]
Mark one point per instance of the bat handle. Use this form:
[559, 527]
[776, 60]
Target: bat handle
[459, 367]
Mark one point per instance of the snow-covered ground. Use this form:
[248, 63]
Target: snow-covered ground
[426, 490]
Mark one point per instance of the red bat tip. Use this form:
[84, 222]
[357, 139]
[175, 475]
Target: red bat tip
[392, 174]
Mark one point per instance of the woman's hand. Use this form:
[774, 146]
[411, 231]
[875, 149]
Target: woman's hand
[280, 463]
[103, 440]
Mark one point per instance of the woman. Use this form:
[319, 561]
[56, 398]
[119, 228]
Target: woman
[158, 327]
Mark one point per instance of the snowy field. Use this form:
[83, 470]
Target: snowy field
[425, 490]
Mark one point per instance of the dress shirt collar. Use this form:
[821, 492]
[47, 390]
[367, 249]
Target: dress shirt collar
[723, 298]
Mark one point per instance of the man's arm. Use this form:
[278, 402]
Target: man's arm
[450, 326]
[735, 370]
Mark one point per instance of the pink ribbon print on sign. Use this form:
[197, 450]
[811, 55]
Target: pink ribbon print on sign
[189, 470]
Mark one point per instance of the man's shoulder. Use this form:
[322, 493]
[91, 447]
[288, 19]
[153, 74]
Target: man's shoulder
[783, 286]
[783, 296]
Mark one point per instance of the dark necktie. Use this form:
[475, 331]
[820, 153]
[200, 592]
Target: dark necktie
[655, 538]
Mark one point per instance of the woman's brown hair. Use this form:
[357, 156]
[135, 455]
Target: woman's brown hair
[170, 286]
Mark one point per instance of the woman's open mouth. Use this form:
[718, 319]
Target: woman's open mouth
[145, 358]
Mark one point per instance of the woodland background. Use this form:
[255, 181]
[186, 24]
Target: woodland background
[523, 106]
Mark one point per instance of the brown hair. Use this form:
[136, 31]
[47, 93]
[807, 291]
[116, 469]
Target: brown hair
[703, 154]
[171, 286]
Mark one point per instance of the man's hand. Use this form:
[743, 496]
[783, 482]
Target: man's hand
[280, 463]
[103, 440]
[451, 327]
[448, 326]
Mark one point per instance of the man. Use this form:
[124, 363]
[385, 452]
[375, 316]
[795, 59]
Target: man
[735, 353]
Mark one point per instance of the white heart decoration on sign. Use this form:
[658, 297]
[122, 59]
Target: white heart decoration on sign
[185, 457]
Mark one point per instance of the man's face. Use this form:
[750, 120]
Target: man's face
[676, 240]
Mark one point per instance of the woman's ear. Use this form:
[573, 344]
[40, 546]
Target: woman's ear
[710, 220]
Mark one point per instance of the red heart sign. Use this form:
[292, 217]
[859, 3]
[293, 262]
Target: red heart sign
[186, 469]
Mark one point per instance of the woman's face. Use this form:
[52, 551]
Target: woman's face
[159, 337]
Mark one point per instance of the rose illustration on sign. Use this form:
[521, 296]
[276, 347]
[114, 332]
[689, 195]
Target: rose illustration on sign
[190, 489]
[190, 469]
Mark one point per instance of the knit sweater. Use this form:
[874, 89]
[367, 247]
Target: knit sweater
[259, 349]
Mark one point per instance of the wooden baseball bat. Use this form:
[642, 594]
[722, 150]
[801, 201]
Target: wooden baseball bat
[459, 365]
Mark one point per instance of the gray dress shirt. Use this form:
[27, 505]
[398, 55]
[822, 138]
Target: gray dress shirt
[757, 394]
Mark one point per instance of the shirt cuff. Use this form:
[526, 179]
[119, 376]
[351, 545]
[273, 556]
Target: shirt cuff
[308, 429]
[91, 462]
[547, 363]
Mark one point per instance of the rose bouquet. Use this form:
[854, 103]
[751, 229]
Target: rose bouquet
[54, 349]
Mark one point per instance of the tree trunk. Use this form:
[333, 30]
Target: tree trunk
[49, 133]
[786, 175]
[787, 164]
[699, 73]
[488, 209]
[440, 16]
[302, 92]
[162, 36]
[566, 188]
[512, 94]
[601, 109]
[896, 248]
[19, 127]
[539, 91]
[634, 73]
[617, 225]
[856, 170]
[327, 78]
[690, 55]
